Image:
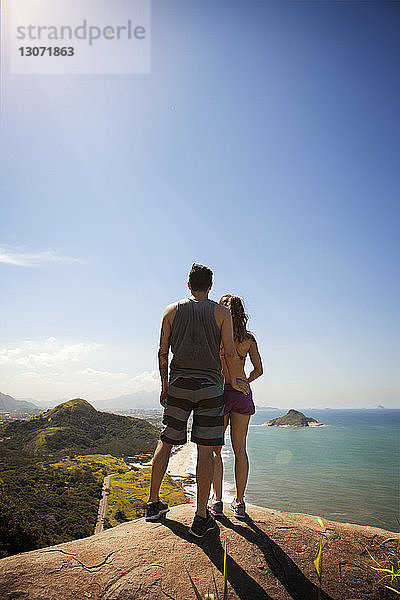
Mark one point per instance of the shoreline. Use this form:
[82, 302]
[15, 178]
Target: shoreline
[178, 468]
[180, 461]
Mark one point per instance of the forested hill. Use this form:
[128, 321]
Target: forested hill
[76, 427]
[49, 493]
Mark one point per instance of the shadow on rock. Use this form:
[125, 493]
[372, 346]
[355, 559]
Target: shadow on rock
[298, 586]
[245, 586]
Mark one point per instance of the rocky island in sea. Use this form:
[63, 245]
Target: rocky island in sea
[293, 418]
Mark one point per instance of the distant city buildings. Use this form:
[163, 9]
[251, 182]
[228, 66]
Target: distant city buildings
[8, 417]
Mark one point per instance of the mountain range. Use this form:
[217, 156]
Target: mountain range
[127, 401]
[10, 404]
[124, 402]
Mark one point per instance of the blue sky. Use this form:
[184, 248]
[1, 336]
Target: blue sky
[265, 144]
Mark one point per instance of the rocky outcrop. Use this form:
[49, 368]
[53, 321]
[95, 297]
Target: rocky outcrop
[293, 418]
[270, 557]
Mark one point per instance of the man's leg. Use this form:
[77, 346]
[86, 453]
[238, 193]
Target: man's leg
[176, 414]
[158, 468]
[207, 432]
[204, 475]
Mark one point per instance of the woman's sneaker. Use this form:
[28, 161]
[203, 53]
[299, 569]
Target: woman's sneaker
[239, 509]
[200, 526]
[154, 510]
[216, 508]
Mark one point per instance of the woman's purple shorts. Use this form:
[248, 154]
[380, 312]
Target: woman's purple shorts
[237, 401]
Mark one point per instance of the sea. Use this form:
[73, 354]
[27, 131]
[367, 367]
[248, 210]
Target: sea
[347, 470]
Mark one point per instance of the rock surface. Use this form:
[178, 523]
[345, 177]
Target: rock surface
[293, 418]
[270, 557]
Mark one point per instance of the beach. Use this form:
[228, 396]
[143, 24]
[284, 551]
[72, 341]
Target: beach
[180, 462]
[182, 466]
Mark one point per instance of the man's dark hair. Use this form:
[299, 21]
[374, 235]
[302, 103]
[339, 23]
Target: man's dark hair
[200, 278]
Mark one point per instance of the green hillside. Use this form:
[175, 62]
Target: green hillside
[129, 493]
[41, 505]
[52, 469]
[75, 427]
[100, 464]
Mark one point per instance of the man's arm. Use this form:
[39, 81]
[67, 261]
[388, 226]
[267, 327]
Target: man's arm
[163, 351]
[230, 354]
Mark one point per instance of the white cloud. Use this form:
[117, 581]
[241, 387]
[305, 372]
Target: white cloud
[48, 370]
[148, 381]
[47, 354]
[33, 259]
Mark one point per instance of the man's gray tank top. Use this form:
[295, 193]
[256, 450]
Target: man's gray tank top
[195, 341]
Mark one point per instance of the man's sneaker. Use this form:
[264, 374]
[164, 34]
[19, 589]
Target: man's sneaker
[239, 509]
[154, 510]
[200, 526]
[216, 508]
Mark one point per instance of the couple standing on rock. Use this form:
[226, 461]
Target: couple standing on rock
[209, 343]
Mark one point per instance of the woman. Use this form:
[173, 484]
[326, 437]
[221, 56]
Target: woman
[238, 409]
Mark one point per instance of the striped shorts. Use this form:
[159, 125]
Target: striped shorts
[206, 400]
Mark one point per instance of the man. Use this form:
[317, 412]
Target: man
[194, 329]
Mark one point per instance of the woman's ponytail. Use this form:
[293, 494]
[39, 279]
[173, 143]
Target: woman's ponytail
[239, 317]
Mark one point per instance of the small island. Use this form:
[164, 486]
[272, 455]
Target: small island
[293, 418]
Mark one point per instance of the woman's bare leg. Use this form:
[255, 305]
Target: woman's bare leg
[218, 468]
[239, 428]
